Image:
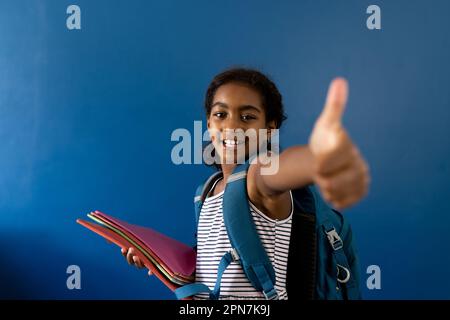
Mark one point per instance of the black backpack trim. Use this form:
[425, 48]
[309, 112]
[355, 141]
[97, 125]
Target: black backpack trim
[301, 270]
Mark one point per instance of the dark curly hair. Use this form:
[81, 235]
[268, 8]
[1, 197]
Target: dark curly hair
[271, 97]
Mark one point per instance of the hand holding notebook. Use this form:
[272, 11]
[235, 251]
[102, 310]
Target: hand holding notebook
[168, 259]
[133, 259]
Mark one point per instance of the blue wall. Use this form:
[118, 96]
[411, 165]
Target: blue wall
[86, 117]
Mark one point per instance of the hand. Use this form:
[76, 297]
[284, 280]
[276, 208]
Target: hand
[133, 259]
[340, 171]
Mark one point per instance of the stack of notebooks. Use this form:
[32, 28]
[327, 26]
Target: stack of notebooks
[171, 261]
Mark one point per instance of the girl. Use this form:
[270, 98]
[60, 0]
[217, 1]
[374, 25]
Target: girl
[245, 99]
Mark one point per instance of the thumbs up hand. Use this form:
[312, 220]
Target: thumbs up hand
[340, 171]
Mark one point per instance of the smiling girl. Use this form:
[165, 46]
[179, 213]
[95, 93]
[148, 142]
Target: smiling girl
[245, 100]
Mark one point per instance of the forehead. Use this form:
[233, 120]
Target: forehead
[235, 94]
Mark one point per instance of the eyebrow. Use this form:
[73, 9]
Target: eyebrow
[242, 107]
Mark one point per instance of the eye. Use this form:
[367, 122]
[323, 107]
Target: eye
[219, 115]
[247, 117]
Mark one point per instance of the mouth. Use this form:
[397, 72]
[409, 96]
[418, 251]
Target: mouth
[229, 143]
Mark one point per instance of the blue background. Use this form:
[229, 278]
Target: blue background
[86, 117]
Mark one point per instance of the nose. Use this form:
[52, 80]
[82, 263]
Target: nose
[232, 125]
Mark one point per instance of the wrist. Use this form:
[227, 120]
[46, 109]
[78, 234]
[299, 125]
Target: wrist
[310, 164]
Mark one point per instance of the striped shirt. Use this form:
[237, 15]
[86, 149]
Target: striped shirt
[213, 243]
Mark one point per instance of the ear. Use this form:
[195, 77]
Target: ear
[207, 123]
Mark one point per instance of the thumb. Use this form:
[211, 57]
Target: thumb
[335, 103]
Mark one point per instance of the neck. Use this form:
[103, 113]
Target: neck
[227, 170]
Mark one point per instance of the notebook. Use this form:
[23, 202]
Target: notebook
[171, 261]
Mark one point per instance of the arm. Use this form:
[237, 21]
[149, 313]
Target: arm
[295, 170]
[331, 159]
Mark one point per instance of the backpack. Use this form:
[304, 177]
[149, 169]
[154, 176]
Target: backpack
[322, 261]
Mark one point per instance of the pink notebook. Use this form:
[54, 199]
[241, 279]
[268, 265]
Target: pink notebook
[174, 260]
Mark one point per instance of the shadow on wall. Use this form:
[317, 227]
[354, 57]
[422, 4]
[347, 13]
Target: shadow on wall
[16, 265]
[33, 266]
[30, 265]
[12, 285]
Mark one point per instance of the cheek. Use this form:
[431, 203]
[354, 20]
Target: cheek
[215, 136]
[211, 127]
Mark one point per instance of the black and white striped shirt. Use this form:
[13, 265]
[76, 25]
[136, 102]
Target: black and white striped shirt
[213, 243]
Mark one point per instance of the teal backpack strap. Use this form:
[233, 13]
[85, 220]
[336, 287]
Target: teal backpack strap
[243, 235]
[198, 202]
[202, 192]
[195, 288]
[344, 274]
[191, 290]
[247, 247]
[200, 195]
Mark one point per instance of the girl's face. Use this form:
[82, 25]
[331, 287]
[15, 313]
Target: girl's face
[236, 108]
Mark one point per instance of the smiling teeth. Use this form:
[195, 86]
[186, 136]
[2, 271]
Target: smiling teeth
[231, 142]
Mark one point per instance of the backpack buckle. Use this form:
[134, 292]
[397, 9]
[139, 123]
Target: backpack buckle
[271, 294]
[347, 274]
[334, 239]
[234, 254]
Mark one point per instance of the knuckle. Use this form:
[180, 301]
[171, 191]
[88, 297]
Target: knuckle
[326, 195]
[361, 172]
[320, 165]
[360, 194]
[355, 152]
[366, 182]
[365, 169]
[327, 187]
